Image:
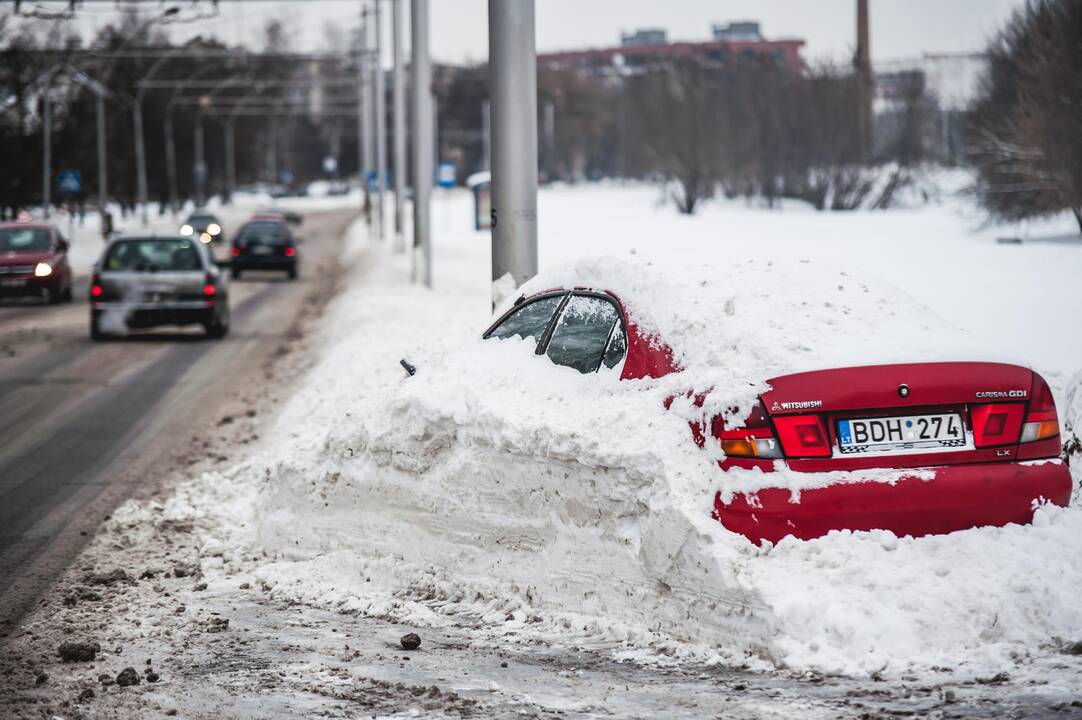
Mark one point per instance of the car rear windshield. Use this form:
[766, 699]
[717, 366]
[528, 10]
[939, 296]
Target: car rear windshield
[202, 219]
[152, 255]
[24, 240]
[263, 233]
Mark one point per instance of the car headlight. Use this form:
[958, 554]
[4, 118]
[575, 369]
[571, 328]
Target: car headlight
[43, 269]
[186, 229]
[214, 228]
[205, 238]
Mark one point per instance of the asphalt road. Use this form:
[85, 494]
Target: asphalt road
[85, 425]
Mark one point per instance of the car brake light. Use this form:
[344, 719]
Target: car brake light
[96, 291]
[996, 423]
[208, 286]
[802, 436]
[236, 251]
[290, 252]
[754, 440]
[1041, 419]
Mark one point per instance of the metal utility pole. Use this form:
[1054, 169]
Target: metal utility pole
[200, 163]
[46, 149]
[512, 67]
[399, 120]
[140, 147]
[103, 175]
[421, 107]
[379, 89]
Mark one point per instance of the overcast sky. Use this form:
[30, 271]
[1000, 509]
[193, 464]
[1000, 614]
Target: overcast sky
[900, 28]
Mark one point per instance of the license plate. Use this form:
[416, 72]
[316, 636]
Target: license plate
[901, 434]
[262, 250]
[157, 297]
[12, 282]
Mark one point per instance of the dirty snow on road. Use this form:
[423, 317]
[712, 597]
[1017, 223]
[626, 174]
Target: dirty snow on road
[507, 509]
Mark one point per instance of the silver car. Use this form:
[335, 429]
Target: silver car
[145, 282]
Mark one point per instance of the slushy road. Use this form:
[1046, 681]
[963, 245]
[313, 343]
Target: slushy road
[85, 425]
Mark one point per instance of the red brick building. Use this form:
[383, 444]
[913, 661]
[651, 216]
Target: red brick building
[643, 48]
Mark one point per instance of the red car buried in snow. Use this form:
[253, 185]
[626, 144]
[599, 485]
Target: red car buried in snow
[981, 439]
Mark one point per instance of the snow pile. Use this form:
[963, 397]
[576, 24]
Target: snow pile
[496, 490]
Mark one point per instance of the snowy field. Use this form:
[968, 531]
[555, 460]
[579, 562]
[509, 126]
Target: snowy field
[531, 504]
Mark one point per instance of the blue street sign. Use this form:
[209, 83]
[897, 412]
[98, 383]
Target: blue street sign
[373, 176]
[446, 174]
[69, 181]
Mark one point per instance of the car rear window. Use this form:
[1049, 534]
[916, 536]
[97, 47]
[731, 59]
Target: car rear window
[151, 255]
[24, 240]
[264, 233]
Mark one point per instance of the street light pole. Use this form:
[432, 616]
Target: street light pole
[171, 161]
[513, 84]
[230, 160]
[103, 175]
[379, 89]
[46, 149]
[399, 103]
[421, 106]
[200, 164]
[140, 159]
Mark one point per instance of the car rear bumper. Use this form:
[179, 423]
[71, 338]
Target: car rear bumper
[958, 497]
[146, 315]
[263, 262]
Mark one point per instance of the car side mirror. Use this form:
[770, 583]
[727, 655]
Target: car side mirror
[62, 246]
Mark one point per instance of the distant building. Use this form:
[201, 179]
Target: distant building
[640, 49]
[743, 31]
[646, 36]
[947, 82]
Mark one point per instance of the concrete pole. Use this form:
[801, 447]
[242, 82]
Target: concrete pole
[486, 136]
[46, 151]
[512, 67]
[379, 88]
[399, 106]
[230, 161]
[366, 115]
[140, 161]
[171, 162]
[103, 174]
[200, 163]
[421, 107]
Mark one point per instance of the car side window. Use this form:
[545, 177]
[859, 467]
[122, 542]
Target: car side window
[582, 333]
[617, 347]
[530, 320]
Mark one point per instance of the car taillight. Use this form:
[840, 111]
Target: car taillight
[996, 423]
[235, 251]
[1041, 419]
[290, 251]
[209, 290]
[96, 291]
[754, 440]
[802, 436]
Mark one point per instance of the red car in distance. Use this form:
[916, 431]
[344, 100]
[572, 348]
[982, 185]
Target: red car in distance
[967, 444]
[34, 261]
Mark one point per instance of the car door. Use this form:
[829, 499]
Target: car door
[588, 334]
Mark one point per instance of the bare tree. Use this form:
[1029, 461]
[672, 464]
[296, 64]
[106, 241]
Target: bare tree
[1026, 141]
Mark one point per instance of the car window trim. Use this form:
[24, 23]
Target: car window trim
[559, 312]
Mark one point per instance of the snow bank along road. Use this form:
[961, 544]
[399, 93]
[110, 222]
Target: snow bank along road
[84, 426]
